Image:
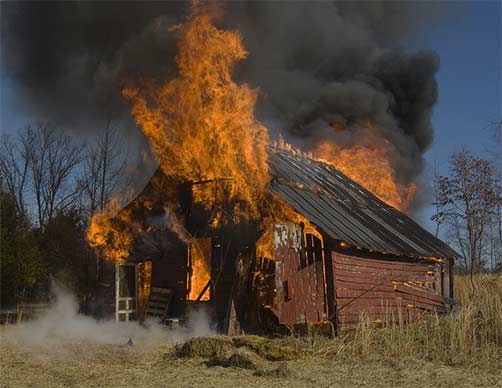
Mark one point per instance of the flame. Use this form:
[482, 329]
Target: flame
[200, 271]
[201, 125]
[110, 232]
[201, 128]
[369, 165]
[144, 285]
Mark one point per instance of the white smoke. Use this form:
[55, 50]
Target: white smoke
[62, 323]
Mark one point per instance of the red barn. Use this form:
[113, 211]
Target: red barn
[358, 256]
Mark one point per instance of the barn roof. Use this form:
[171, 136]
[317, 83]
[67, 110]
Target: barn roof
[346, 211]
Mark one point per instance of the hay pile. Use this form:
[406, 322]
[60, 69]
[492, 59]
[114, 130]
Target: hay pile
[266, 357]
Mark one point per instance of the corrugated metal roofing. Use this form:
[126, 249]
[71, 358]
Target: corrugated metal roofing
[346, 211]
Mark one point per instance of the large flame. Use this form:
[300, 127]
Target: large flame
[369, 164]
[201, 125]
[202, 129]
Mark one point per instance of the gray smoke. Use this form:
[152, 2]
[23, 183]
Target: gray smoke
[322, 68]
[62, 323]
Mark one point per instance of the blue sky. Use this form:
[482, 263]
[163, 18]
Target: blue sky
[469, 79]
[470, 82]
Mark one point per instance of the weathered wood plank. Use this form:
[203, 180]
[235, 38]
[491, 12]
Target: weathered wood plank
[383, 271]
[375, 263]
[344, 303]
[378, 278]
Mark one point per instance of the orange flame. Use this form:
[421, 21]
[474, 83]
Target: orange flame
[200, 271]
[110, 232]
[201, 125]
[201, 128]
[144, 286]
[369, 164]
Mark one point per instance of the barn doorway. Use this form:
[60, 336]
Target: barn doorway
[199, 269]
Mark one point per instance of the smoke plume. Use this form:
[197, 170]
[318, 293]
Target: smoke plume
[62, 323]
[322, 68]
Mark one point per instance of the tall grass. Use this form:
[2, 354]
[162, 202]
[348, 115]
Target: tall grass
[469, 335]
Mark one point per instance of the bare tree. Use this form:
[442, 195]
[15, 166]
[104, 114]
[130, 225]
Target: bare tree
[14, 168]
[468, 202]
[440, 199]
[53, 159]
[103, 168]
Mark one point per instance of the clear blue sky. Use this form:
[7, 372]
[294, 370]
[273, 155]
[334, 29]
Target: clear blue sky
[470, 81]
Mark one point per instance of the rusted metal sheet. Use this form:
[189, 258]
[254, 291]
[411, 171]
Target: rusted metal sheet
[299, 283]
[383, 289]
[346, 211]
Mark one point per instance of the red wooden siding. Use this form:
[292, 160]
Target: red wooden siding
[383, 289]
[299, 280]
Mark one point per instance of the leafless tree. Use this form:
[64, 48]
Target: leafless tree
[14, 168]
[53, 160]
[103, 168]
[469, 198]
[440, 199]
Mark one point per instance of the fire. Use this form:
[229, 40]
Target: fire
[202, 130]
[200, 272]
[110, 232]
[201, 124]
[369, 165]
[144, 285]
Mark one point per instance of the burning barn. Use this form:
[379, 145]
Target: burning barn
[260, 234]
[348, 254]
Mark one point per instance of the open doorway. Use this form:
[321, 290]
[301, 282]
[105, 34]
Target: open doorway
[199, 273]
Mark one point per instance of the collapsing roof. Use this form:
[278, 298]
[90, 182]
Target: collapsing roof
[346, 211]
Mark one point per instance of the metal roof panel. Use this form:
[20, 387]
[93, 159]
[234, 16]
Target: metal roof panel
[347, 211]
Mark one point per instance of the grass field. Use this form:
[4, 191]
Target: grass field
[461, 350]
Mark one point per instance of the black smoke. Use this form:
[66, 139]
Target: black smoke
[318, 65]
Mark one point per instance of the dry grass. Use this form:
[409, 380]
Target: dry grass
[462, 350]
[470, 335]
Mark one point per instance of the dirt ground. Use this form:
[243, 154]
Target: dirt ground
[86, 365]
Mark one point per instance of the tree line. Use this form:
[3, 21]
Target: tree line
[50, 185]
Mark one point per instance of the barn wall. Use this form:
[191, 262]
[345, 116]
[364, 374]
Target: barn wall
[299, 281]
[384, 289]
